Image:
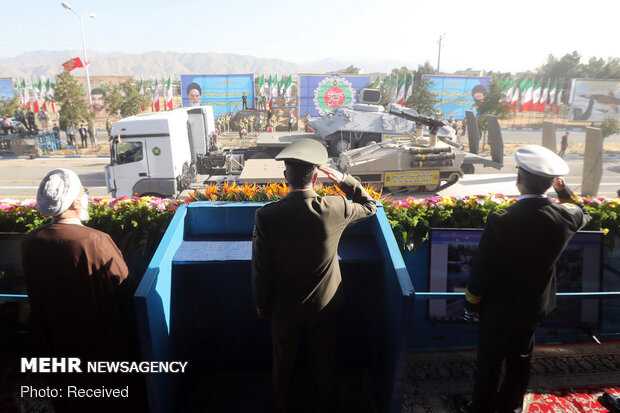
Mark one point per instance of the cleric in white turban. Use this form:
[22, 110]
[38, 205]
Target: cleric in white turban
[80, 293]
[58, 191]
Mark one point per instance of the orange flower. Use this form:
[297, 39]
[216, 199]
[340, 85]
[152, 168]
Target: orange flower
[212, 192]
[228, 189]
[249, 190]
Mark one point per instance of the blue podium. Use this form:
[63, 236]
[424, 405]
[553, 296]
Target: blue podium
[195, 304]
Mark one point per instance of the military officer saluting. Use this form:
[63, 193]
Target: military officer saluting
[512, 285]
[295, 269]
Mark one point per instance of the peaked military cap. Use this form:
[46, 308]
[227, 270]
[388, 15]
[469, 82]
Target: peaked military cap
[540, 161]
[304, 150]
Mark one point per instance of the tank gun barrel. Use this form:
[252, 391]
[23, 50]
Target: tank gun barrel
[433, 124]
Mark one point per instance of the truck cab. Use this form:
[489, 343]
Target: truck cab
[157, 154]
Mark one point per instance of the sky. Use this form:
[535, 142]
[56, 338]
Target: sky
[509, 36]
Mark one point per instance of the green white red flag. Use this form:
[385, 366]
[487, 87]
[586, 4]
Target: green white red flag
[522, 89]
[400, 97]
[558, 97]
[394, 92]
[156, 98]
[552, 95]
[169, 94]
[288, 86]
[529, 92]
[409, 89]
[26, 94]
[35, 100]
[536, 96]
[544, 97]
[510, 89]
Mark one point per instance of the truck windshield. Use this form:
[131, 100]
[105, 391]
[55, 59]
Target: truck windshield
[128, 152]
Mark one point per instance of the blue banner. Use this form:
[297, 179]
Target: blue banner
[457, 93]
[223, 92]
[319, 94]
[6, 89]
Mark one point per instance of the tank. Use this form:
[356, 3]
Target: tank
[415, 163]
[359, 125]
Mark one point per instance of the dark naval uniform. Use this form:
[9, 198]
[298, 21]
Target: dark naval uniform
[513, 282]
[296, 274]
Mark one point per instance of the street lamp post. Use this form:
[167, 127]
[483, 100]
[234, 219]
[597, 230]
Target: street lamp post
[92, 16]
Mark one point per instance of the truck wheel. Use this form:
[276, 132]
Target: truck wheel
[432, 188]
[369, 139]
[467, 168]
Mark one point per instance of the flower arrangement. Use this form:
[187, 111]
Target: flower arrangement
[139, 223]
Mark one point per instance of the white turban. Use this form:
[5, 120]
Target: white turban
[57, 191]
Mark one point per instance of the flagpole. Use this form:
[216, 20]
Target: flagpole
[86, 63]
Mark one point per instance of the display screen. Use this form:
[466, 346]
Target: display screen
[578, 270]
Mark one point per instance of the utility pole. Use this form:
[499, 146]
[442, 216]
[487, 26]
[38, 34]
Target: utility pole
[439, 52]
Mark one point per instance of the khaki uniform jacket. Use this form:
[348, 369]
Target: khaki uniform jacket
[295, 267]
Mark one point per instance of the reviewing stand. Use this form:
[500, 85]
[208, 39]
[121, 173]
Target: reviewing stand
[195, 303]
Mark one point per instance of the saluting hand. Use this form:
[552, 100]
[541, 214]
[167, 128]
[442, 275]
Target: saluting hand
[559, 184]
[335, 175]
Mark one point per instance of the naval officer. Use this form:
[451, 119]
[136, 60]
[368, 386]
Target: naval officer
[513, 280]
[295, 268]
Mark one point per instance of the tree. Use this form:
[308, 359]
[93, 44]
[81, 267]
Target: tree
[125, 98]
[422, 99]
[9, 107]
[73, 106]
[609, 127]
[570, 66]
[351, 70]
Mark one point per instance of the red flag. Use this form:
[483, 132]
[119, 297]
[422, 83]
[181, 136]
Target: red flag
[71, 64]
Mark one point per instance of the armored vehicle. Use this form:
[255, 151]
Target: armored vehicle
[359, 125]
[416, 163]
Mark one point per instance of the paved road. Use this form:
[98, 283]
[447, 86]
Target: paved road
[19, 178]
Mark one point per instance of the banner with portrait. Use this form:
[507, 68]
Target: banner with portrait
[321, 94]
[593, 100]
[223, 92]
[98, 95]
[458, 94]
[6, 89]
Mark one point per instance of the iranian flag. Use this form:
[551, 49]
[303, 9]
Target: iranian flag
[543, 98]
[280, 85]
[558, 98]
[142, 92]
[376, 83]
[45, 93]
[514, 99]
[35, 94]
[409, 89]
[26, 95]
[552, 95]
[165, 92]
[274, 87]
[510, 88]
[156, 98]
[522, 88]
[288, 86]
[503, 86]
[400, 97]
[261, 83]
[536, 96]
[169, 94]
[394, 93]
[529, 92]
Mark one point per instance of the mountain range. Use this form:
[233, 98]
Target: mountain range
[151, 64]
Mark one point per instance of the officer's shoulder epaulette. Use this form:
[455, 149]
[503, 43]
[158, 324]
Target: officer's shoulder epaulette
[569, 205]
[501, 212]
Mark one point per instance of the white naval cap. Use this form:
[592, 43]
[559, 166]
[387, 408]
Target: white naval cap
[540, 161]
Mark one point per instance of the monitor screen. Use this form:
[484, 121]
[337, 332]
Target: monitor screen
[578, 269]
